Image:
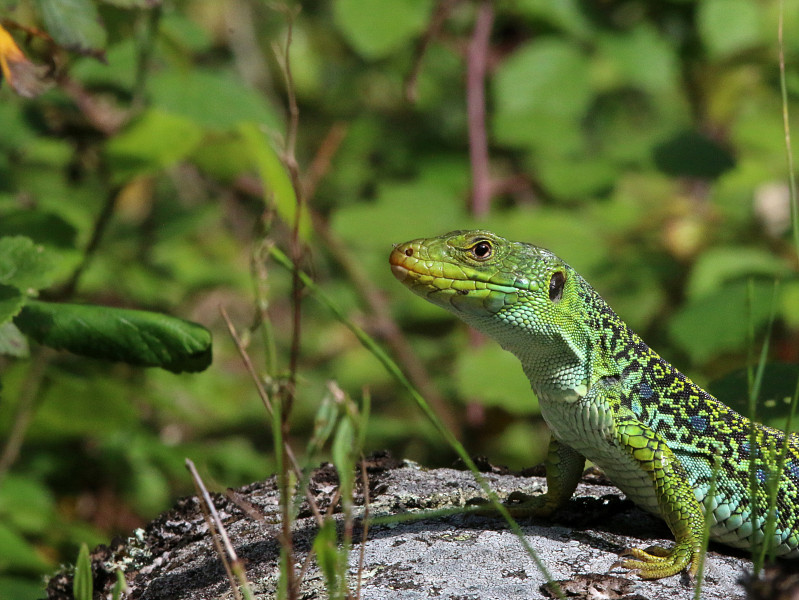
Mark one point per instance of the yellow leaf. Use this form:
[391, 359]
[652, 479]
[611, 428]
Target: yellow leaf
[25, 78]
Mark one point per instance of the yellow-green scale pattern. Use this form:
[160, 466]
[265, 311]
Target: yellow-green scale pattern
[608, 397]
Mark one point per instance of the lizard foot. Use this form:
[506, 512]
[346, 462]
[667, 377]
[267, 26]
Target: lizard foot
[656, 562]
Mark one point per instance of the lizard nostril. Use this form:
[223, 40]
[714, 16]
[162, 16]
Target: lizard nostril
[409, 252]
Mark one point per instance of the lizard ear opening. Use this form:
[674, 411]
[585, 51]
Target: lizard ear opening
[556, 283]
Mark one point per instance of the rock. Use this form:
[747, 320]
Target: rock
[454, 556]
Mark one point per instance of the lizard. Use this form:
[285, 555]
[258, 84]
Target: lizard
[608, 397]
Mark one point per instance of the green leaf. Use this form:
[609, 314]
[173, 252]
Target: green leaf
[692, 154]
[21, 588]
[16, 554]
[74, 24]
[83, 583]
[729, 26]
[118, 70]
[641, 57]
[377, 31]
[343, 452]
[25, 265]
[493, 377]
[402, 211]
[275, 178]
[120, 586]
[154, 141]
[719, 322]
[42, 227]
[564, 14]
[216, 101]
[26, 504]
[719, 265]
[132, 336]
[541, 92]
[327, 553]
[11, 302]
[576, 176]
[79, 406]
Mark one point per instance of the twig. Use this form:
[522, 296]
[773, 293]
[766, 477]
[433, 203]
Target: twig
[324, 155]
[288, 390]
[146, 30]
[264, 395]
[440, 15]
[100, 225]
[477, 61]
[24, 412]
[290, 159]
[233, 567]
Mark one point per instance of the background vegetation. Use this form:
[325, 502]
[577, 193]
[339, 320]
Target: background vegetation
[641, 141]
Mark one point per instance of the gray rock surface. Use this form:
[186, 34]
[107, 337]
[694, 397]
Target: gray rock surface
[455, 557]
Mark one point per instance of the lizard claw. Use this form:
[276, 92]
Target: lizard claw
[656, 562]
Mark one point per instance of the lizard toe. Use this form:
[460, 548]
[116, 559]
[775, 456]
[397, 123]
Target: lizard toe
[657, 562]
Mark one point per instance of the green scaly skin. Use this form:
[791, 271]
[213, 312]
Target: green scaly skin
[609, 398]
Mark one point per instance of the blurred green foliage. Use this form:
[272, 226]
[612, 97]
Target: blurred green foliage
[640, 141]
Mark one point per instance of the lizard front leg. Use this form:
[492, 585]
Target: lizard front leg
[564, 467]
[676, 500]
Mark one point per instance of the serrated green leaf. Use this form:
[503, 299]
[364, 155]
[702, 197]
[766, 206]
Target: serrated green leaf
[153, 142]
[132, 336]
[25, 265]
[42, 227]
[11, 302]
[74, 24]
[275, 178]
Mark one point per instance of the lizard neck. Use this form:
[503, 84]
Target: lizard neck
[557, 368]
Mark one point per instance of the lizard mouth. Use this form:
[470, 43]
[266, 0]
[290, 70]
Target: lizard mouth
[401, 266]
[416, 272]
[399, 270]
[447, 284]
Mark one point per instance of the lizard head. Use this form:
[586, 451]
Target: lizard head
[522, 295]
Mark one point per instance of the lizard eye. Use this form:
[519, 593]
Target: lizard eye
[556, 286]
[482, 250]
